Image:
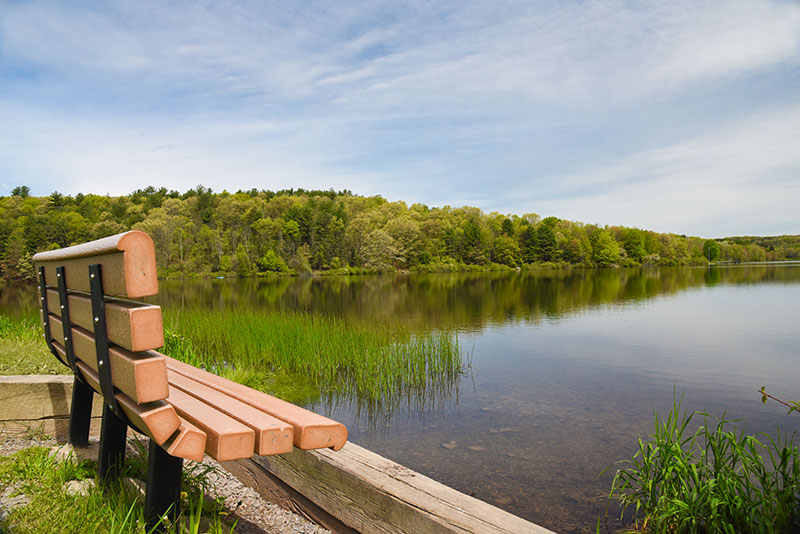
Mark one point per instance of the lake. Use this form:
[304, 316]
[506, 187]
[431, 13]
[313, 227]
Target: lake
[567, 367]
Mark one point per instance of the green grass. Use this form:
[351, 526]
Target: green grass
[22, 347]
[302, 356]
[713, 479]
[50, 509]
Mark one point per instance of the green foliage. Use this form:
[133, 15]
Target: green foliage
[31, 472]
[202, 233]
[713, 479]
[794, 406]
[605, 248]
[22, 347]
[300, 356]
[271, 262]
[711, 249]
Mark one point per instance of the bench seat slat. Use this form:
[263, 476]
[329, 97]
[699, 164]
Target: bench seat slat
[128, 260]
[273, 436]
[140, 376]
[132, 325]
[187, 442]
[158, 419]
[311, 430]
[226, 438]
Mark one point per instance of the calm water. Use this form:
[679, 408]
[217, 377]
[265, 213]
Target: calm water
[567, 367]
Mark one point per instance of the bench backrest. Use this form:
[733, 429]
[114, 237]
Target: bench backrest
[127, 268]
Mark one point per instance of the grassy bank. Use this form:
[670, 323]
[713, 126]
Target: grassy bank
[37, 482]
[22, 347]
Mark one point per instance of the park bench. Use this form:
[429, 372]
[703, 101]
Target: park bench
[109, 342]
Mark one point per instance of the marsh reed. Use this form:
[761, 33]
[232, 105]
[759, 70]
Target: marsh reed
[308, 357]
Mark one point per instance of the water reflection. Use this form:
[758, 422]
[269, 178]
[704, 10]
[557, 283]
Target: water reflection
[462, 301]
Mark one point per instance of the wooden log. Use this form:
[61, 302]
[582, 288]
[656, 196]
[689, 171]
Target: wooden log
[31, 404]
[311, 430]
[128, 260]
[141, 376]
[187, 442]
[272, 435]
[132, 325]
[375, 495]
[156, 419]
[226, 438]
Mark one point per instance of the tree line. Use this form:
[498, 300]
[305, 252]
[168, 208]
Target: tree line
[202, 233]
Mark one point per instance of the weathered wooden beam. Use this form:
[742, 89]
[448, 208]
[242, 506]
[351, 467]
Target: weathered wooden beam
[311, 430]
[132, 325]
[272, 435]
[128, 260]
[226, 438]
[141, 376]
[157, 419]
[31, 404]
[375, 495]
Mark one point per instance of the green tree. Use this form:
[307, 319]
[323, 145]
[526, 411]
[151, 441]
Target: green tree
[506, 250]
[21, 191]
[711, 249]
[378, 250]
[271, 262]
[604, 247]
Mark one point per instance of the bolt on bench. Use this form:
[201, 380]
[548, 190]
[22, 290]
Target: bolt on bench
[109, 343]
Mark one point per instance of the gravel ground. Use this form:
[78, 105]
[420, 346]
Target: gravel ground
[256, 515]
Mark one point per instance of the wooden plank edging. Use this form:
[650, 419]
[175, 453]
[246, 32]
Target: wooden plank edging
[34, 404]
[374, 495]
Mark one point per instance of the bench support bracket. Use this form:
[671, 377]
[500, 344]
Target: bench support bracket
[80, 415]
[113, 434]
[163, 495]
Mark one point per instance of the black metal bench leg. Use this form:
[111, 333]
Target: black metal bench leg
[111, 457]
[163, 487]
[80, 415]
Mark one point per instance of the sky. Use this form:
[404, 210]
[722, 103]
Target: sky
[679, 116]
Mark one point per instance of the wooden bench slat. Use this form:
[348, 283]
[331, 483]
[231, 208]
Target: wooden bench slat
[158, 419]
[273, 436]
[128, 260]
[226, 438]
[311, 430]
[187, 442]
[132, 325]
[141, 376]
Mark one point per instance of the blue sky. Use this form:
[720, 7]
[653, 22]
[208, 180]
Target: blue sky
[680, 116]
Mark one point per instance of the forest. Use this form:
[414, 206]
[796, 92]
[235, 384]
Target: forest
[259, 232]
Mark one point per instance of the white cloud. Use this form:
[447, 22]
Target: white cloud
[463, 97]
[741, 178]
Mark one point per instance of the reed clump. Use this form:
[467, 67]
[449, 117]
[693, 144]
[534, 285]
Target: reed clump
[377, 364]
[713, 479]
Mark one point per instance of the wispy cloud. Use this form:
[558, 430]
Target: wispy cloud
[477, 100]
[741, 175]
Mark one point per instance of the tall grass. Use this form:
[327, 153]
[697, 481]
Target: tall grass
[713, 479]
[376, 364]
[22, 347]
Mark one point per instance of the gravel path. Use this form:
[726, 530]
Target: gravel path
[256, 515]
